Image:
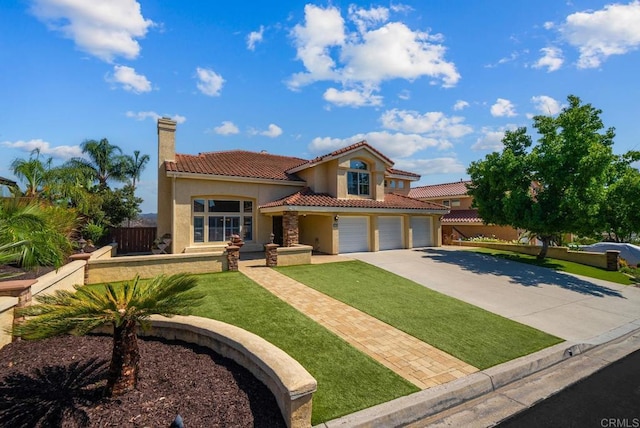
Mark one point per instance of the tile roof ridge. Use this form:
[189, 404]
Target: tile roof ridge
[442, 184]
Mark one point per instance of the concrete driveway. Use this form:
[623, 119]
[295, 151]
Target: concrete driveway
[575, 308]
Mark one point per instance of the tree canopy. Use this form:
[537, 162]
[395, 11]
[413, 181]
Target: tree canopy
[558, 185]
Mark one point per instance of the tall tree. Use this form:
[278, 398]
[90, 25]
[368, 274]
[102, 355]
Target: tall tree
[106, 162]
[33, 172]
[621, 212]
[135, 166]
[555, 187]
[123, 305]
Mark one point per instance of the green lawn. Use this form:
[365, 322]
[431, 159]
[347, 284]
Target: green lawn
[559, 265]
[473, 335]
[348, 380]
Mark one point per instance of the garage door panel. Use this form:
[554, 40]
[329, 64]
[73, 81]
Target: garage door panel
[421, 227]
[390, 233]
[353, 234]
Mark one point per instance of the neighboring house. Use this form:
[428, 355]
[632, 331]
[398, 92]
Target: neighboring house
[336, 203]
[6, 183]
[463, 221]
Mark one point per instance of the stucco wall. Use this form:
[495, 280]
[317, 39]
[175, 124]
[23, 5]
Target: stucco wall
[317, 231]
[296, 255]
[504, 233]
[126, 268]
[187, 189]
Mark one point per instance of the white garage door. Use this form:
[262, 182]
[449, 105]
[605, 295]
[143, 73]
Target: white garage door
[390, 232]
[421, 227]
[353, 234]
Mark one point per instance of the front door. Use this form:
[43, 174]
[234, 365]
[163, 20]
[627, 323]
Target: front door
[277, 230]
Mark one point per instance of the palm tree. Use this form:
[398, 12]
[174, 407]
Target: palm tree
[33, 172]
[124, 305]
[106, 162]
[136, 165]
[41, 233]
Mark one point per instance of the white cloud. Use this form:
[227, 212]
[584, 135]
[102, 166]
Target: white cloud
[255, 37]
[551, 59]
[227, 128]
[391, 144]
[434, 124]
[613, 30]
[142, 115]
[365, 56]
[546, 105]
[58, 152]
[129, 79]
[460, 105]
[209, 82]
[352, 97]
[367, 18]
[273, 131]
[404, 94]
[503, 108]
[443, 165]
[103, 28]
[491, 139]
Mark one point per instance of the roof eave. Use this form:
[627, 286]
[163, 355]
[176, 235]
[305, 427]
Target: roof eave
[215, 177]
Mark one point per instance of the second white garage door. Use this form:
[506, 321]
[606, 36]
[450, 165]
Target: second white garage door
[421, 227]
[390, 232]
[353, 234]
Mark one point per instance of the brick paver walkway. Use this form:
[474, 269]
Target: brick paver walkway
[417, 361]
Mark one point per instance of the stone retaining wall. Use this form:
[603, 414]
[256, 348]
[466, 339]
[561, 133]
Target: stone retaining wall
[600, 260]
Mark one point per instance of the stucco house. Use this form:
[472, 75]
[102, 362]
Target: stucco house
[345, 201]
[463, 220]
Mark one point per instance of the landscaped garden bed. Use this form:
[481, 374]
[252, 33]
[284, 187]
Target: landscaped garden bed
[60, 382]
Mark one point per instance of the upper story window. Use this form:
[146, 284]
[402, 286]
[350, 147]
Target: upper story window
[455, 202]
[358, 178]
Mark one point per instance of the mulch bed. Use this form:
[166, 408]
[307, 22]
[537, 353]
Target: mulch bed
[60, 381]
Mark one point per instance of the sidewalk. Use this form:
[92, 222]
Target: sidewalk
[418, 362]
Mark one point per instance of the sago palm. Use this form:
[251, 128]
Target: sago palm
[124, 305]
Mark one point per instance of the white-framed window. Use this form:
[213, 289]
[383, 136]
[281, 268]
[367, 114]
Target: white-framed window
[455, 202]
[358, 178]
[215, 220]
[446, 203]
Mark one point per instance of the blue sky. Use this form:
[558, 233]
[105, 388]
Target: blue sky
[432, 84]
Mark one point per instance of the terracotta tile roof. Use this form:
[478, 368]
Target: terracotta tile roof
[237, 163]
[7, 182]
[458, 188]
[461, 216]
[307, 198]
[401, 172]
[349, 149]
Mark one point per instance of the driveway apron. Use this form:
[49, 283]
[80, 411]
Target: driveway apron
[418, 362]
[571, 307]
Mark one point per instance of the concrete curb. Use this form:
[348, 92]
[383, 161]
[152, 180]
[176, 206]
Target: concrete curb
[429, 402]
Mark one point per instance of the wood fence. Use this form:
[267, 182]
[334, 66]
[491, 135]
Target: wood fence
[133, 239]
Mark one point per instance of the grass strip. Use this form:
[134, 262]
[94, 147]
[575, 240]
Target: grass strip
[559, 265]
[348, 380]
[467, 332]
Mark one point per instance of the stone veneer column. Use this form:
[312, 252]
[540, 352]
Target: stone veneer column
[271, 254]
[20, 289]
[613, 263]
[233, 255]
[290, 228]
